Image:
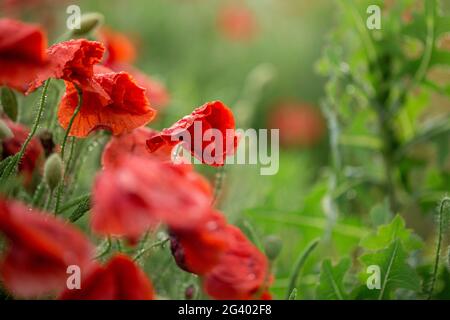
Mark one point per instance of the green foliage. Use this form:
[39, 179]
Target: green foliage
[331, 285]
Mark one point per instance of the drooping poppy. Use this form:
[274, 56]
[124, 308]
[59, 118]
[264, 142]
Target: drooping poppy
[39, 251]
[121, 53]
[72, 61]
[132, 143]
[22, 53]
[199, 250]
[127, 108]
[241, 273]
[119, 279]
[33, 153]
[193, 131]
[138, 193]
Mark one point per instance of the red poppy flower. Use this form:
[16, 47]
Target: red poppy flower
[121, 53]
[33, 154]
[132, 143]
[119, 48]
[22, 53]
[137, 193]
[300, 125]
[199, 250]
[40, 248]
[126, 109]
[212, 115]
[120, 279]
[72, 61]
[237, 22]
[241, 273]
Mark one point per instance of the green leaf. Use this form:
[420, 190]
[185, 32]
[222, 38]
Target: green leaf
[388, 233]
[381, 213]
[395, 273]
[331, 285]
[83, 207]
[9, 103]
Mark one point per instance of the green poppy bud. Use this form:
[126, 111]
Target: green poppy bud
[53, 171]
[272, 246]
[5, 131]
[89, 22]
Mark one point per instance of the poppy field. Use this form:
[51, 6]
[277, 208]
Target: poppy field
[225, 150]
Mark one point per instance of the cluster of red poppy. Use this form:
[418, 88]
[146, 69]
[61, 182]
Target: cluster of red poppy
[138, 189]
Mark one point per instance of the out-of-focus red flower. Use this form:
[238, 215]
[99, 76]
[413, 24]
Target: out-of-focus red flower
[242, 272]
[212, 115]
[40, 248]
[72, 61]
[199, 250]
[33, 154]
[120, 279]
[237, 22]
[121, 53]
[22, 53]
[137, 193]
[133, 143]
[119, 48]
[300, 125]
[126, 109]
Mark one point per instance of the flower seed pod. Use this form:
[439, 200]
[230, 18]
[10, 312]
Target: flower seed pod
[5, 131]
[272, 246]
[53, 171]
[89, 22]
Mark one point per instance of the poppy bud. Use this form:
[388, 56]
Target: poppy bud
[189, 292]
[9, 103]
[53, 171]
[89, 22]
[5, 131]
[272, 246]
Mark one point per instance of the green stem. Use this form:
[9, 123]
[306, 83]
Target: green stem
[438, 245]
[299, 265]
[69, 127]
[153, 245]
[49, 200]
[63, 148]
[18, 157]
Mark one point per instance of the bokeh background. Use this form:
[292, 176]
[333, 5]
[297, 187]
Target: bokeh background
[260, 57]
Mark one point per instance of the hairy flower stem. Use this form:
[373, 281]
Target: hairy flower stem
[298, 266]
[18, 157]
[63, 148]
[441, 231]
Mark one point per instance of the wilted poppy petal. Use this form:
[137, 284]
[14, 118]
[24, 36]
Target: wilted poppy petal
[213, 115]
[72, 61]
[242, 272]
[127, 109]
[40, 248]
[22, 53]
[33, 153]
[120, 279]
[134, 195]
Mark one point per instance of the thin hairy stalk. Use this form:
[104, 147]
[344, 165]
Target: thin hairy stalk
[72, 119]
[441, 232]
[218, 184]
[63, 148]
[153, 245]
[49, 200]
[299, 265]
[18, 157]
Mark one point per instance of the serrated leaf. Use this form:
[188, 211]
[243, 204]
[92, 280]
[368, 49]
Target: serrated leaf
[331, 285]
[388, 233]
[83, 207]
[395, 272]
